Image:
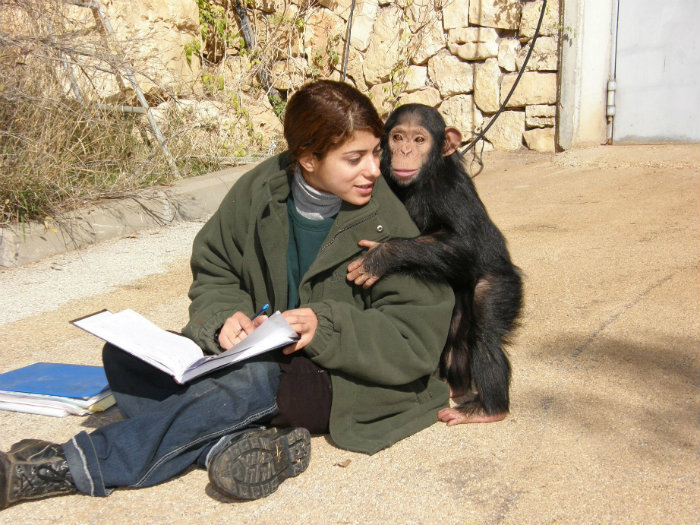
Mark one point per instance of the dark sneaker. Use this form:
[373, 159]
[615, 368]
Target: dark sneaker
[33, 469]
[253, 465]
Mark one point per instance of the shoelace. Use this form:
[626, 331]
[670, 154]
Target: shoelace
[46, 472]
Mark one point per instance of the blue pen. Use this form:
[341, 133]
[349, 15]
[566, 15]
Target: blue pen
[260, 312]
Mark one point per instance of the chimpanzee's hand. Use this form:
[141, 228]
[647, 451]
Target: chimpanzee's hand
[357, 272]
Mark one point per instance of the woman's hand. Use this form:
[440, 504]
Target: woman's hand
[304, 322]
[356, 270]
[238, 327]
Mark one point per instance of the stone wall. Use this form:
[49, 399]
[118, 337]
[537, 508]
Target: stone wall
[491, 43]
[460, 56]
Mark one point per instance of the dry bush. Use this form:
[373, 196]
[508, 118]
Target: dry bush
[61, 147]
[57, 154]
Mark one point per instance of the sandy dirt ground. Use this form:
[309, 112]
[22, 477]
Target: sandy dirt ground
[605, 420]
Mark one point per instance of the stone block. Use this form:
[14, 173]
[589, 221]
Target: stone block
[289, 74]
[382, 98]
[428, 96]
[541, 139]
[416, 78]
[504, 14]
[533, 88]
[286, 36]
[419, 13]
[474, 51]
[540, 110]
[507, 52]
[427, 42]
[362, 23]
[506, 133]
[234, 69]
[384, 50]
[455, 13]
[154, 38]
[473, 43]
[461, 112]
[450, 74]
[469, 35]
[355, 70]
[540, 116]
[273, 6]
[321, 27]
[339, 7]
[487, 79]
[531, 14]
[539, 122]
[543, 58]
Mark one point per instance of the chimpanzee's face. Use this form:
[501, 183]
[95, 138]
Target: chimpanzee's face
[410, 145]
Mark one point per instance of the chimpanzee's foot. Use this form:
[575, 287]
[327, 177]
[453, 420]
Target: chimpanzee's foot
[456, 416]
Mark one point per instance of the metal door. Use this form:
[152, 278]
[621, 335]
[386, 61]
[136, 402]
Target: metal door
[657, 70]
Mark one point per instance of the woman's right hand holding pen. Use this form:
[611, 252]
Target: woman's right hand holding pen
[238, 327]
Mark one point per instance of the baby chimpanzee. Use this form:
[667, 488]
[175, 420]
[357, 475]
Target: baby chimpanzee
[458, 243]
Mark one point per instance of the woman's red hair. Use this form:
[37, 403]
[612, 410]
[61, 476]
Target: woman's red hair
[324, 114]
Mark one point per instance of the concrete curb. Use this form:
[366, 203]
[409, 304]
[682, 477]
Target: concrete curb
[189, 199]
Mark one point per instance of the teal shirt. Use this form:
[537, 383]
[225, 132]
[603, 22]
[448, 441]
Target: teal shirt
[305, 239]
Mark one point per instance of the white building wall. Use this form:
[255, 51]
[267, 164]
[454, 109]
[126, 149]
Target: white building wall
[651, 48]
[584, 72]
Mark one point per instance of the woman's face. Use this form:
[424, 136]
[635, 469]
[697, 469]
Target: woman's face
[348, 171]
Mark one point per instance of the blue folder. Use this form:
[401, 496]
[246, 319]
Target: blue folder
[56, 379]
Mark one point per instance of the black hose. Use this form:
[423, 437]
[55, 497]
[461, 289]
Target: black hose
[512, 89]
[347, 40]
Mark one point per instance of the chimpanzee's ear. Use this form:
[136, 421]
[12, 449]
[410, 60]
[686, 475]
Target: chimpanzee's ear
[453, 139]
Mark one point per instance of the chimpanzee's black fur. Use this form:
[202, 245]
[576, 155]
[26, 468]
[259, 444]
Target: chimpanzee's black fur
[458, 243]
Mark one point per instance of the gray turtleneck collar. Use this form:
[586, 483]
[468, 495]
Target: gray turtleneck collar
[312, 203]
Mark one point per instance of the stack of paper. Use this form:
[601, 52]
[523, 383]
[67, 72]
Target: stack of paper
[55, 389]
[176, 354]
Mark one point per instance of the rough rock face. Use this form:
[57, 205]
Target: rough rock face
[173, 23]
[152, 35]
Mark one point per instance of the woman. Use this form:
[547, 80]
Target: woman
[284, 235]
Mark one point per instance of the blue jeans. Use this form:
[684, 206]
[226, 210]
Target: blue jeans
[168, 427]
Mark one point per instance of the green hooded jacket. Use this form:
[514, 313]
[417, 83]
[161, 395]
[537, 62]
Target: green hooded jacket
[381, 345]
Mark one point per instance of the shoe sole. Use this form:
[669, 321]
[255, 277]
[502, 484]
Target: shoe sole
[253, 466]
[4, 481]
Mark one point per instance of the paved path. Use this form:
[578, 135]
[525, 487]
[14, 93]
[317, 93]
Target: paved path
[606, 397]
